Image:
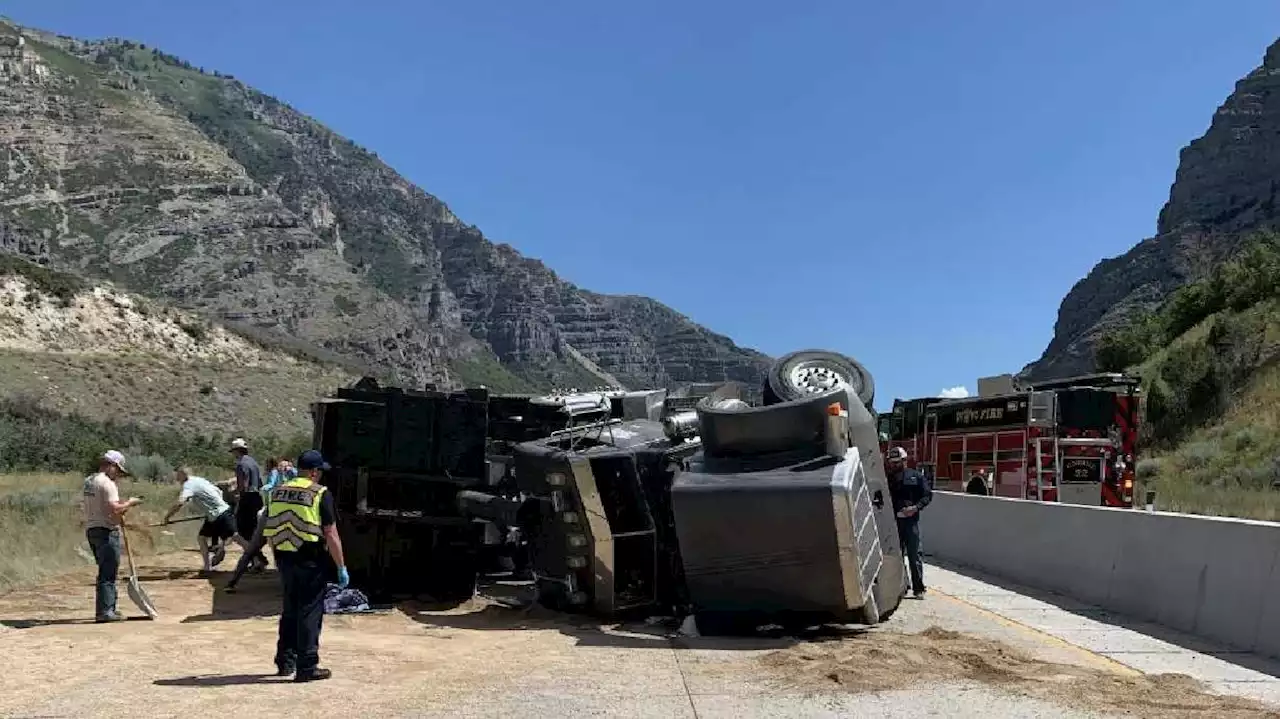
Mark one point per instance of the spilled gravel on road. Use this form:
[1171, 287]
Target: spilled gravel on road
[881, 661]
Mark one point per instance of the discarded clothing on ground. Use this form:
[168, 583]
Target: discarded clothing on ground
[345, 601]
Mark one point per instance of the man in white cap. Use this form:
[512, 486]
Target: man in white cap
[248, 494]
[103, 514]
[910, 492]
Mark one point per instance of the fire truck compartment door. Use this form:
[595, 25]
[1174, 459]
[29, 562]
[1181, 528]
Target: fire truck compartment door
[1011, 484]
[1081, 470]
[1081, 481]
[1089, 494]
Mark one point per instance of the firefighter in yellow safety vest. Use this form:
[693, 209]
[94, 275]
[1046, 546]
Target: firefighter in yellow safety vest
[300, 524]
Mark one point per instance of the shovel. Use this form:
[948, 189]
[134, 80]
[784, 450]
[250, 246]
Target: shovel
[176, 521]
[136, 592]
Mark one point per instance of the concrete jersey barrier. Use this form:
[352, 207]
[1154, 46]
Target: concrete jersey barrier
[1213, 577]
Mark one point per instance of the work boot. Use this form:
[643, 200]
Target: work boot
[109, 617]
[284, 670]
[315, 675]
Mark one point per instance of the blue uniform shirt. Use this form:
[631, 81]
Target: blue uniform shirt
[910, 487]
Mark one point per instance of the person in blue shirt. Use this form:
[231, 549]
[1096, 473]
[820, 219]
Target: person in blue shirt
[282, 471]
[910, 492]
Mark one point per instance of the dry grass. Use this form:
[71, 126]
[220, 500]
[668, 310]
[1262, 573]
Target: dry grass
[150, 390]
[1228, 468]
[41, 531]
[1191, 498]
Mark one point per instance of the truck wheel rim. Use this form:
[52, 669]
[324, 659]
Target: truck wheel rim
[817, 377]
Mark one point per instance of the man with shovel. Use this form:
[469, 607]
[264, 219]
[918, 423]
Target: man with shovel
[219, 521]
[103, 515]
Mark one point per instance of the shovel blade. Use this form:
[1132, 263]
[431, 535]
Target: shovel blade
[140, 598]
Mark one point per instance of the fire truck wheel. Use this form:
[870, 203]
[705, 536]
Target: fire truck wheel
[809, 372]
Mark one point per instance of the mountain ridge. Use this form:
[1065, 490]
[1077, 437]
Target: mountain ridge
[219, 198]
[1223, 189]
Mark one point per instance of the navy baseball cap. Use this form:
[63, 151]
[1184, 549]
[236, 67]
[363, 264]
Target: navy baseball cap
[311, 459]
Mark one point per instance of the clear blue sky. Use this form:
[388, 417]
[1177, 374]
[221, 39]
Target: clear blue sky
[916, 184]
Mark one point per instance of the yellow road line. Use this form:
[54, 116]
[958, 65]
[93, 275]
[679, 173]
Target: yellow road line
[1105, 661]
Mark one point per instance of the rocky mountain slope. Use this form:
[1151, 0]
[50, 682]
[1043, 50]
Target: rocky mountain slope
[1226, 185]
[103, 354]
[125, 163]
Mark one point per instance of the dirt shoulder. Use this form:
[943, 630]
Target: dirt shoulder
[210, 651]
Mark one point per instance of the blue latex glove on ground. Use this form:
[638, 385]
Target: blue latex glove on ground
[343, 578]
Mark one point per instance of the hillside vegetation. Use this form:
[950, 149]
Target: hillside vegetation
[87, 367]
[1208, 360]
[42, 531]
[128, 164]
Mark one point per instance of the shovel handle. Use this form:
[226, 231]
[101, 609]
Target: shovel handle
[124, 534]
[175, 521]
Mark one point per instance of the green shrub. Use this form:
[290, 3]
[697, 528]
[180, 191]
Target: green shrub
[194, 330]
[1127, 345]
[1257, 475]
[1189, 306]
[1200, 455]
[60, 285]
[1243, 439]
[1252, 276]
[345, 306]
[33, 438]
[151, 468]
[1148, 468]
[30, 505]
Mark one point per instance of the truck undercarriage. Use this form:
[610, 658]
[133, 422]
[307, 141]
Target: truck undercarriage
[614, 503]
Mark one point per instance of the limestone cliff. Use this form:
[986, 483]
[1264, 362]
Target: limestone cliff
[125, 163]
[1225, 186]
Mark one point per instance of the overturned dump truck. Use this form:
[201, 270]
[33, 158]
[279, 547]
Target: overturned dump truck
[697, 501]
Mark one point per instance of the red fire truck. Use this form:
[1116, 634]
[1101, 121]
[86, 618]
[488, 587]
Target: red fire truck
[1071, 440]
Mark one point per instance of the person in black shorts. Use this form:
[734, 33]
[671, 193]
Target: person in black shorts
[219, 520]
[219, 530]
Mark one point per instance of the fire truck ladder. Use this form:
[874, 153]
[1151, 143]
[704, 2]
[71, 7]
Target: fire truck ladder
[930, 440]
[1051, 472]
[1044, 414]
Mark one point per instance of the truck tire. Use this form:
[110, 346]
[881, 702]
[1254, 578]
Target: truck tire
[808, 372]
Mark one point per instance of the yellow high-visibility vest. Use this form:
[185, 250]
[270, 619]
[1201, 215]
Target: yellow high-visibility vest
[293, 515]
